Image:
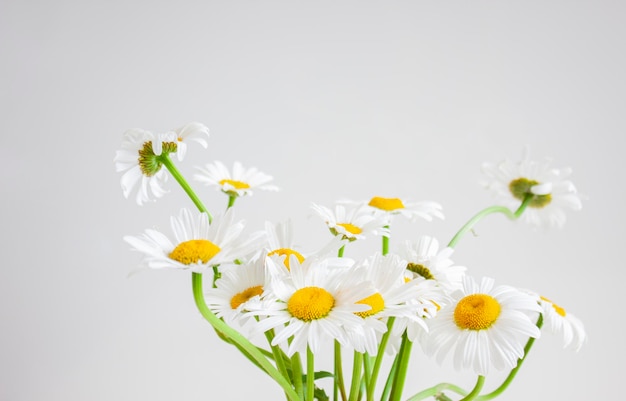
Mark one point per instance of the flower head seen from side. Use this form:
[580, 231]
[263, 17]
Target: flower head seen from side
[389, 207]
[425, 261]
[548, 189]
[197, 244]
[558, 321]
[483, 327]
[352, 222]
[140, 158]
[315, 302]
[239, 182]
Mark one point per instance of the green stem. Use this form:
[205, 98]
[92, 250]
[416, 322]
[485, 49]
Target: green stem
[511, 375]
[296, 369]
[485, 212]
[339, 385]
[231, 201]
[403, 364]
[310, 374]
[236, 338]
[277, 354]
[385, 243]
[379, 359]
[435, 391]
[357, 366]
[167, 162]
[474, 393]
[390, 378]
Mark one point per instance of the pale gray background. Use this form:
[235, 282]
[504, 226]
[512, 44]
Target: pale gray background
[335, 99]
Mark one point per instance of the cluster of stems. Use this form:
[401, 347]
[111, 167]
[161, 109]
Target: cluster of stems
[298, 382]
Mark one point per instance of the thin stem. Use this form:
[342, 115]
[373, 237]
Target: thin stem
[371, 388]
[403, 363]
[277, 353]
[231, 201]
[485, 212]
[474, 393]
[310, 374]
[357, 366]
[435, 391]
[296, 369]
[339, 385]
[167, 162]
[511, 375]
[236, 338]
[386, 243]
[390, 378]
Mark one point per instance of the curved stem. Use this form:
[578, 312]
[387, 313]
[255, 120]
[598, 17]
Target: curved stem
[167, 162]
[235, 337]
[485, 212]
[436, 390]
[511, 375]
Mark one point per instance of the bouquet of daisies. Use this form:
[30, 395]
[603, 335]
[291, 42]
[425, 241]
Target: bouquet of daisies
[282, 306]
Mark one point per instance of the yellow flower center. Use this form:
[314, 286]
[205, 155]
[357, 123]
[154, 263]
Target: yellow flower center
[235, 184]
[377, 303]
[420, 270]
[476, 312]
[387, 204]
[520, 188]
[557, 308]
[245, 296]
[310, 303]
[287, 252]
[194, 250]
[351, 228]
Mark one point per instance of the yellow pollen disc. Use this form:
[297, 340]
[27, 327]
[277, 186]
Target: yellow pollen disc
[557, 308]
[194, 250]
[476, 312]
[245, 295]
[387, 204]
[351, 228]
[310, 303]
[377, 303]
[236, 184]
[287, 252]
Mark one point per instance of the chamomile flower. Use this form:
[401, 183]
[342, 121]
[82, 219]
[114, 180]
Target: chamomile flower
[549, 189]
[483, 327]
[394, 297]
[235, 290]
[315, 302]
[563, 323]
[139, 158]
[424, 261]
[238, 183]
[389, 207]
[351, 222]
[197, 244]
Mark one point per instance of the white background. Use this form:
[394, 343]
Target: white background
[342, 99]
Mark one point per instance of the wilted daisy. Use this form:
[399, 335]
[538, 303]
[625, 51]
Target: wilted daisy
[549, 189]
[424, 261]
[140, 162]
[389, 207]
[483, 327]
[394, 297]
[238, 183]
[563, 323]
[235, 290]
[352, 222]
[197, 243]
[315, 302]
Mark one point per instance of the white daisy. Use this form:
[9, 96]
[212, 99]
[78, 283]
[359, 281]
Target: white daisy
[389, 207]
[352, 223]
[197, 243]
[558, 321]
[238, 183]
[424, 261]
[484, 327]
[393, 297]
[548, 187]
[235, 290]
[315, 302]
[139, 158]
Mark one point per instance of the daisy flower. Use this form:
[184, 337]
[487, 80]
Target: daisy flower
[424, 261]
[238, 183]
[139, 158]
[389, 207]
[353, 223]
[197, 244]
[393, 297]
[558, 321]
[483, 327]
[236, 290]
[550, 190]
[315, 302]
